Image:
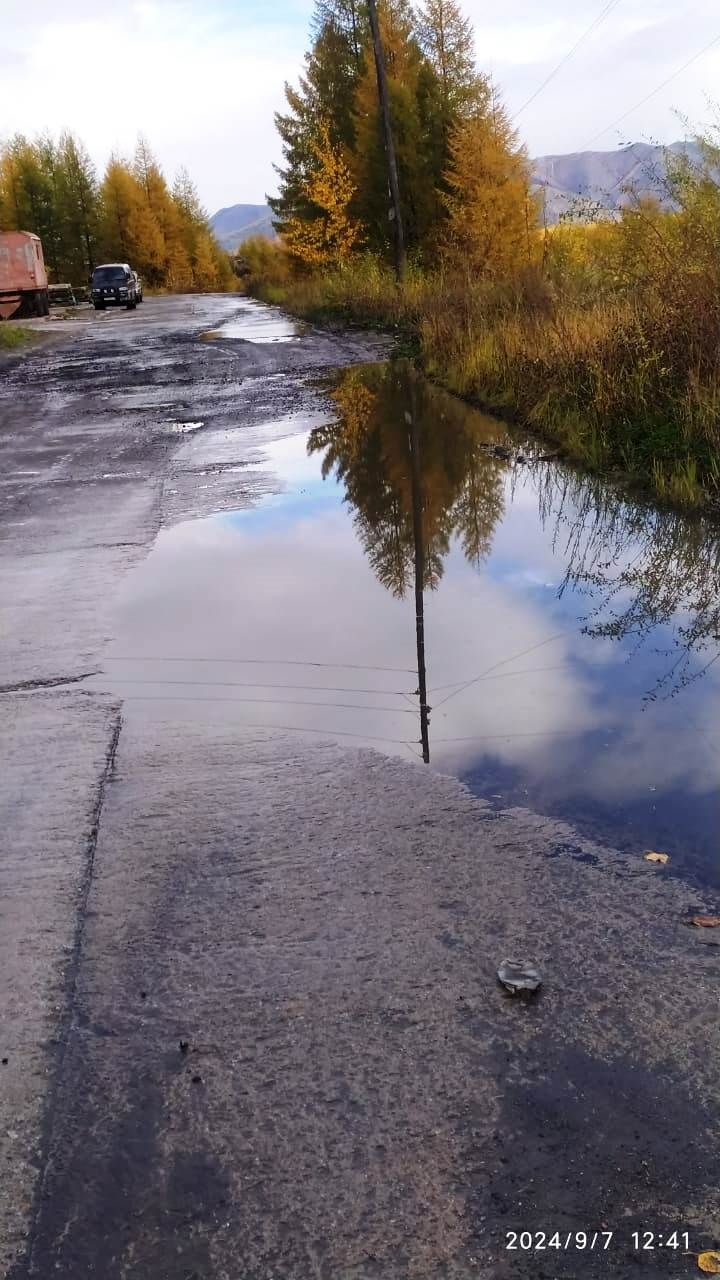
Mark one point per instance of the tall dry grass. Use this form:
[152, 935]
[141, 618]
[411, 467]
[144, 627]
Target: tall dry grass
[360, 291]
[620, 385]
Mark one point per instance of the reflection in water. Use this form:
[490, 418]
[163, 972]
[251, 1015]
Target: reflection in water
[419, 468]
[416, 472]
[369, 449]
[643, 570]
[419, 555]
[254, 322]
[555, 617]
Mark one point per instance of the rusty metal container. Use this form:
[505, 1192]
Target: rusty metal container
[23, 279]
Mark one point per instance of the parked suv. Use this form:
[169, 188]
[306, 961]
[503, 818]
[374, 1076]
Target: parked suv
[114, 284]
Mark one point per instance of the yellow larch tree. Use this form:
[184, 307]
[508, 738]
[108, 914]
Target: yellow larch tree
[129, 231]
[491, 209]
[334, 234]
[177, 271]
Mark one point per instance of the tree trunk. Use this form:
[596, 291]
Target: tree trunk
[400, 256]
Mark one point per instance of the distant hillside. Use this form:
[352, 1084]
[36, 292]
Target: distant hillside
[582, 178]
[594, 178]
[239, 222]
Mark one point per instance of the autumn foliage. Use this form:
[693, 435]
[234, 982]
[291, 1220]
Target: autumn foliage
[603, 335]
[130, 215]
[331, 234]
[491, 213]
[464, 179]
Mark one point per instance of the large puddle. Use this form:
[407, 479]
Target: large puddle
[254, 322]
[570, 637]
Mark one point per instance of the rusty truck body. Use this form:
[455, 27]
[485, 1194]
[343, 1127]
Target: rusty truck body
[23, 279]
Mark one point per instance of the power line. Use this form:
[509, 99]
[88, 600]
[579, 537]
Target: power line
[593, 27]
[706, 48]
[504, 675]
[257, 684]
[549, 733]
[503, 663]
[258, 662]
[314, 688]
[507, 737]
[274, 702]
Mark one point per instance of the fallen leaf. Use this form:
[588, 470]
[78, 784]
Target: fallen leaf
[656, 857]
[710, 1262]
[705, 922]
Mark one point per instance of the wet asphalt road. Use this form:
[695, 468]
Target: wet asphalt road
[318, 928]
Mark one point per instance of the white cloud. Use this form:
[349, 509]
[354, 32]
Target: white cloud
[203, 89]
[202, 80]
[641, 44]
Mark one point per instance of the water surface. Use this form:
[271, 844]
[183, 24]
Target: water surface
[254, 322]
[571, 635]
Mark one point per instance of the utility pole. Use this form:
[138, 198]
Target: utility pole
[419, 545]
[396, 212]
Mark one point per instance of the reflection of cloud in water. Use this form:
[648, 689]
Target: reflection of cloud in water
[312, 598]
[655, 746]
[337, 612]
[661, 748]
[587, 602]
[473, 625]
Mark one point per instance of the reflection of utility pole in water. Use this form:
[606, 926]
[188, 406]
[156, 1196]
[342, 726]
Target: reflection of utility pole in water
[417, 506]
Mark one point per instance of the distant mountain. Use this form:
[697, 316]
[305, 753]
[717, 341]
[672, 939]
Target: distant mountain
[241, 221]
[600, 178]
[594, 180]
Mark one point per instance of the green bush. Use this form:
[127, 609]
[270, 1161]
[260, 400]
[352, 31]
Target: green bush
[13, 336]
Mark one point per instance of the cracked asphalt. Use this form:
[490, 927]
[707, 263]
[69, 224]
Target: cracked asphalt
[249, 1020]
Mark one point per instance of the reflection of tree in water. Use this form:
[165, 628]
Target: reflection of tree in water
[643, 569]
[369, 448]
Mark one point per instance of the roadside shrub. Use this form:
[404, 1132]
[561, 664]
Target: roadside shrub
[262, 264]
[13, 335]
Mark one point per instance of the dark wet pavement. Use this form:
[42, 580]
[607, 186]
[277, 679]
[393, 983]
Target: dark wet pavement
[203, 846]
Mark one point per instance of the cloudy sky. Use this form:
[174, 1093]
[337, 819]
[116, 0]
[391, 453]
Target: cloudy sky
[203, 77]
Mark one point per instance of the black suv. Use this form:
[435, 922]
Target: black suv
[114, 285]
